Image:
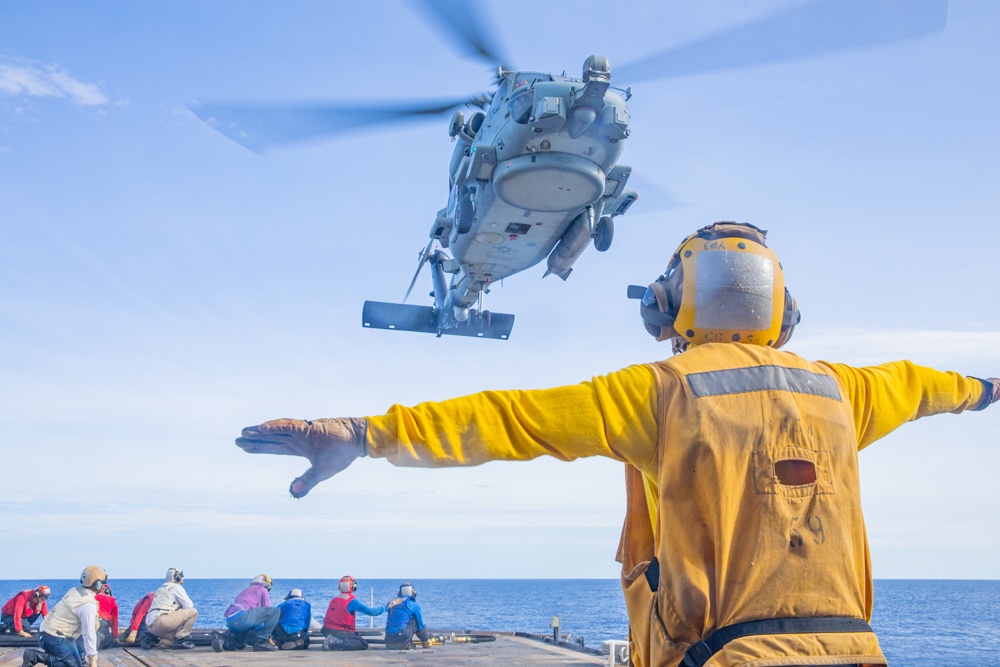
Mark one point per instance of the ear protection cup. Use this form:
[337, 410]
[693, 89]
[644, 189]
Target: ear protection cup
[790, 318]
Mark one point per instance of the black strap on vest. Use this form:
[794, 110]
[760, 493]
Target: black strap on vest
[702, 652]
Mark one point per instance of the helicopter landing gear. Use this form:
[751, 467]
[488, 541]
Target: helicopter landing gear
[480, 320]
[604, 233]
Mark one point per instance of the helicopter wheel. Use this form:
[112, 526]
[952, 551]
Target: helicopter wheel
[604, 233]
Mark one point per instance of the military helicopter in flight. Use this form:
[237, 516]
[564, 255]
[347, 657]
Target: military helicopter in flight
[535, 172]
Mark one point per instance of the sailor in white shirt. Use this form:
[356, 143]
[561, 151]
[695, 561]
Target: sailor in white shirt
[171, 615]
[74, 616]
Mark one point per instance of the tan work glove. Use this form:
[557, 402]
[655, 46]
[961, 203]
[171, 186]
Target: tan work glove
[25, 633]
[131, 637]
[330, 445]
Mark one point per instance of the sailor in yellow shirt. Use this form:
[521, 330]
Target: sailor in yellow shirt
[744, 542]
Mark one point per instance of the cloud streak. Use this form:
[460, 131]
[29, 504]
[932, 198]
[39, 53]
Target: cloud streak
[22, 78]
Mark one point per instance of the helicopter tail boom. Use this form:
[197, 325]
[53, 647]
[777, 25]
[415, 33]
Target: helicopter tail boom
[426, 319]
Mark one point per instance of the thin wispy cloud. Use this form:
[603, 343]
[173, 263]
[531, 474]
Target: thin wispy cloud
[24, 78]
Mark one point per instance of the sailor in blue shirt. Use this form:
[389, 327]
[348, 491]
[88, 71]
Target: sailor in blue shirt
[292, 631]
[405, 620]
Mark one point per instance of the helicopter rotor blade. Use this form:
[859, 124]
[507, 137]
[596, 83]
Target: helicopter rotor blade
[819, 27]
[258, 127]
[463, 25]
[420, 265]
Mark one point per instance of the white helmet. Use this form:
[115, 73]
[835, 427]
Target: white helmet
[406, 590]
[295, 593]
[174, 575]
[263, 580]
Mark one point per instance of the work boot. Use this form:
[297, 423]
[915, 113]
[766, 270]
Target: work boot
[331, 643]
[218, 642]
[34, 656]
[183, 645]
[148, 640]
[264, 646]
[293, 644]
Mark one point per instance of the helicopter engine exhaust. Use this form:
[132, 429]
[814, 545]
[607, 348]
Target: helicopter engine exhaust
[570, 246]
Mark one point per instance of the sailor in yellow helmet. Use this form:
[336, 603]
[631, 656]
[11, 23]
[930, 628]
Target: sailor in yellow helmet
[74, 617]
[744, 542]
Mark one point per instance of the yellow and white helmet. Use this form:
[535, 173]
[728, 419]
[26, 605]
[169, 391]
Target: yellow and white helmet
[722, 285]
[263, 580]
[93, 577]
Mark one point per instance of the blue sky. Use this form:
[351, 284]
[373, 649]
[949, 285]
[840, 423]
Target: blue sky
[162, 287]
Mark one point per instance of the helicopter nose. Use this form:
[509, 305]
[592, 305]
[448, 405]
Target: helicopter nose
[580, 118]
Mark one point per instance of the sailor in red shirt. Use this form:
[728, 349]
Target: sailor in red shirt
[107, 612]
[23, 609]
[138, 622]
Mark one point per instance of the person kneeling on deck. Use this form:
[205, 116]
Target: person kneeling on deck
[74, 616]
[23, 609]
[171, 615]
[107, 615]
[405, 620]
[744, 541]
[137, 624]
[250, 619]
[292, 631]
[339, 625]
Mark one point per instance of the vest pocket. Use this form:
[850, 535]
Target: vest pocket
[792, 472]
[649, 644]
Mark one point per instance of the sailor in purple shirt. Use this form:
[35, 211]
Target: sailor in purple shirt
[250, 619]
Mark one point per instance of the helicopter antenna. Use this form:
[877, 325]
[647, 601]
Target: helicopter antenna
[420, 264]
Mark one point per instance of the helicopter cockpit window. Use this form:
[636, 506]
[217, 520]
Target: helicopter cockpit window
[521, 102]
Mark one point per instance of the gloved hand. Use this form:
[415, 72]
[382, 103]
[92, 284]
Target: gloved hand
[91, 661]
[996, 389]
[131, 637]
[25, 633]
[330, 445]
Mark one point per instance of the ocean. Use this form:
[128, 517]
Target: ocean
[920, 623]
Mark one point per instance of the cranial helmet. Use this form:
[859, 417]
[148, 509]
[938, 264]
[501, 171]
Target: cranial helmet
[43, 592]
[295, 593]
[406, 590]
[722, 285]
[347, 584]
[263, 580]
[174, 575]
[93, 577]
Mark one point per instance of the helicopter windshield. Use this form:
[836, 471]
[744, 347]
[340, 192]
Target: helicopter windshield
[523, 98]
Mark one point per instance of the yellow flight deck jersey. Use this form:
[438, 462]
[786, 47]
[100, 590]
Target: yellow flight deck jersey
[741, 477]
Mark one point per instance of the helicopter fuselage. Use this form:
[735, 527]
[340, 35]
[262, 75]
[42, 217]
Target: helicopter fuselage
[531, 177]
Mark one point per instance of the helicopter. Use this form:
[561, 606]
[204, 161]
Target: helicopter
[535, 172]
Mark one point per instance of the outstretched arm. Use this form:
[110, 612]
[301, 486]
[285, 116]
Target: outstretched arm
[612, 415]
[886, 397]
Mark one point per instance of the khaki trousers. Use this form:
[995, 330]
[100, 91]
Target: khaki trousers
[173, 625]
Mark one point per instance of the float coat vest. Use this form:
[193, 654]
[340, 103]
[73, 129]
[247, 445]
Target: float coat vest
[162, 602]
[337, 616]
[732, 535]
[62, 621]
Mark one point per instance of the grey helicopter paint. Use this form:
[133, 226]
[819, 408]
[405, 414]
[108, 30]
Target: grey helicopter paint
[535, 171]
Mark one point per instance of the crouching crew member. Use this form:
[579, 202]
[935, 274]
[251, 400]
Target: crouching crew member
[23, 609]
[171, 615]
[107, 614]
[339, 622]
[137, 624]
[292, 630]
[405, 620]
[250, 619]
[73, 617]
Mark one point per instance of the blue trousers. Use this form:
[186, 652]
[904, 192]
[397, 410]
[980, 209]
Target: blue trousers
[62, 652]
[254, 624]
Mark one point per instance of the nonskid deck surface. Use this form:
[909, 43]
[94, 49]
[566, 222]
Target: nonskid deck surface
[506, 650]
